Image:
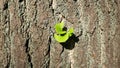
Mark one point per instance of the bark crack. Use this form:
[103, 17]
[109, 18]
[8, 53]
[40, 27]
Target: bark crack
[5, 5]
[36, 11]
[48, 52]
[9, 61]
[7, 40]
[75, 0]
[49, 42]
[51, 2]
[62, 50]
[20, 0]
[28, 54]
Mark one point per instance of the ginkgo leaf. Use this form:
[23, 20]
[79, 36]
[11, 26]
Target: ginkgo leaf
[62, 25]
[61, 35]
[59, 28]
[70, 31]
[60, 38]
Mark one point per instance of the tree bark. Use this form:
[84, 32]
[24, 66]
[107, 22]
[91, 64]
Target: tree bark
[27, 28]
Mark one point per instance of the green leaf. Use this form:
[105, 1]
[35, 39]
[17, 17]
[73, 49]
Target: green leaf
[59, 28]
[70, 32]
[60, 35]
[62, 25]
[60, 38]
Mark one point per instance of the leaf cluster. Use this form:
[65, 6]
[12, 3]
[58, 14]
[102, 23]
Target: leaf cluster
[62, 35]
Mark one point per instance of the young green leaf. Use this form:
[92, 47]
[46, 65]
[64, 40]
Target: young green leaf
[59, 28]
[60, 38]
[70, 31]
[59, 33]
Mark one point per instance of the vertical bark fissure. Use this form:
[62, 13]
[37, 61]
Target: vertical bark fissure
[5, 5]
[24, 28]
[6, 20]
[62, 50]
[27, 52]
[49, 43]
[8, 61]
[20, 0]
[36, 11]
[22, 7]
[51, 3]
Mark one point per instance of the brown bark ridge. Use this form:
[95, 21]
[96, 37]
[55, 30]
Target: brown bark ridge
[27, 28]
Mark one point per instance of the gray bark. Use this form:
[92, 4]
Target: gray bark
[27, 28]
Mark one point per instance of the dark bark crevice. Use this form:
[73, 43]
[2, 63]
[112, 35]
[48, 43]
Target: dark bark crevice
[21, 14]
[36, 11]
[50, 3]
[49, 42]
[8, 61]
[62, 50]
[6, 30]
[28, 54]
[21, 0]
[50, 6]
[48, 51]
[5, 5]
[75, 0]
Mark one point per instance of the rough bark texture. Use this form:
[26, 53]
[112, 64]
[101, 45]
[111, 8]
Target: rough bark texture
[27, 27]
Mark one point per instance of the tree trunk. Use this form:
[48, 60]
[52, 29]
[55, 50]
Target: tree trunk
[27, 28]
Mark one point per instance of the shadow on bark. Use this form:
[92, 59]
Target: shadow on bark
[70, 43]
